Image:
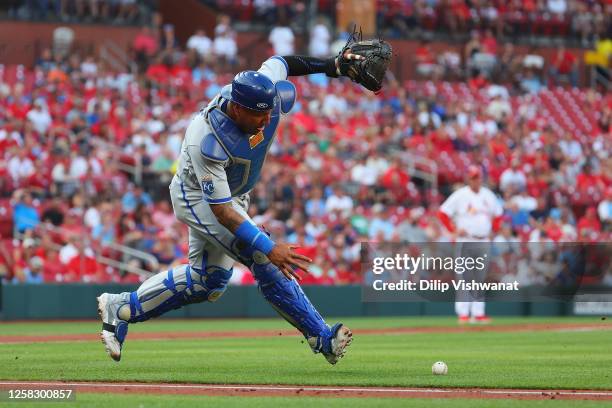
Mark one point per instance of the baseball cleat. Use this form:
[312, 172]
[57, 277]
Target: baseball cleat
[463, 319]
[481, 320]
[114, 330]
[342, 337]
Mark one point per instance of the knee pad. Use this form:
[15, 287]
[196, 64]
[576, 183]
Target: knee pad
[215, 281]
[266, 273]
[207, 285]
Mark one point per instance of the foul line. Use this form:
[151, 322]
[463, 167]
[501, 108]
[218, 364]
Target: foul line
[466, 393]
[76, 337]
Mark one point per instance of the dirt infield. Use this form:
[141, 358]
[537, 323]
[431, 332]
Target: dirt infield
[272, 333]
[311, 391]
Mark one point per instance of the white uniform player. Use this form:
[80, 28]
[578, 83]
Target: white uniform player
[470, 212]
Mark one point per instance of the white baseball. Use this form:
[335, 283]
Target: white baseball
[439, 368]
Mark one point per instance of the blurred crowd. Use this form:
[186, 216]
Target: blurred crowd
[585, 21]
[582, 21]
[483, 59]
[348, 166]
[80, 11]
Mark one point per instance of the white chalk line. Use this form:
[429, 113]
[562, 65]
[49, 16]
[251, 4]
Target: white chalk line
[204, 387]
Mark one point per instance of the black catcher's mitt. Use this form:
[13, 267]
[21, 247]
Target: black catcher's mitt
[365, 62]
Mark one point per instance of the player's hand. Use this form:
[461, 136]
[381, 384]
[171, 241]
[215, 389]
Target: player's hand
[286, 259]
[348, 56]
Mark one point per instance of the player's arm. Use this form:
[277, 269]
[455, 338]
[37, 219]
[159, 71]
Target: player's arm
[364, 62]
[299, 65]
[278, 68]
[216, 192]
[447, 211]
[210, 171]
[280, 254]
[497, 213]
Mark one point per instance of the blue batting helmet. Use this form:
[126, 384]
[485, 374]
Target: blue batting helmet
[253, 90]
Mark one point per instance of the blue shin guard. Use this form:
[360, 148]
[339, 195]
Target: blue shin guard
[289, 300]
[176, 288]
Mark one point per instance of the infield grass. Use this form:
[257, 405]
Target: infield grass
[536, 359]
[217, 325]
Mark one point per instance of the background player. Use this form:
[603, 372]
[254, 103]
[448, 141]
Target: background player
[471, 213]
[222, 155]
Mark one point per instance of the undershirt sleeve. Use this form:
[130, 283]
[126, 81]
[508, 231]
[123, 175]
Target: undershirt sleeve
[298, 65]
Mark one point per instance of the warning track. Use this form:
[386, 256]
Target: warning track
[272, 333]
[311, 391]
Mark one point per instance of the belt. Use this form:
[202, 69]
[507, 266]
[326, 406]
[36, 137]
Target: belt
[474, 237]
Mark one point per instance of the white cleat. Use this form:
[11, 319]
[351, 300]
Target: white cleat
[109, 323]
[341, 340]
[111, 344]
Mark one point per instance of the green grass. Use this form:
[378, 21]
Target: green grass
[180, 401]
[571, 359]
[216, 325]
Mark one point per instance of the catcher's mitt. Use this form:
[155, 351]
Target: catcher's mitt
[365, 62]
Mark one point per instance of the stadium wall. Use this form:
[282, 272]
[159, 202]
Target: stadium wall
[77, 301]
[22, 42]
[190, 16]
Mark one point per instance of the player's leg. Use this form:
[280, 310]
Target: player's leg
[462, 297]
[284, 295]
[462, 308]
[158, 293]
[165, 291]
[477, 307]
[203, 279]
[290, 302]
[469, 304]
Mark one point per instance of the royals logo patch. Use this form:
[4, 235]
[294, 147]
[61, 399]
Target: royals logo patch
[207, 185]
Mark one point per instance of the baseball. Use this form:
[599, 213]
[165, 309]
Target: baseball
[439, 368]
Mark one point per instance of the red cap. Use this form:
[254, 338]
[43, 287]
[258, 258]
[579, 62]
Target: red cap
[474, 171]
[163, 235]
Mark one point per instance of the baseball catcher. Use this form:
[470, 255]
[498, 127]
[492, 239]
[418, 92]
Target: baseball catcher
[221, 159]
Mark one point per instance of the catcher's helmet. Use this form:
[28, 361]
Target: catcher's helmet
[253, 90]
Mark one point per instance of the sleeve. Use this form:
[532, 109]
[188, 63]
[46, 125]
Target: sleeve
[275, 68]
[447, 211]
[449, 207]
[499, 208]
[498, 213]
[446, 221]
[212, 177]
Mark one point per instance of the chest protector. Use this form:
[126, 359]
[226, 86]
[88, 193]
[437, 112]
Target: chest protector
[246, 153]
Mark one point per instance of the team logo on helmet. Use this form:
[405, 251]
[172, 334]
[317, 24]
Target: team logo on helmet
[262, 105]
